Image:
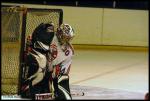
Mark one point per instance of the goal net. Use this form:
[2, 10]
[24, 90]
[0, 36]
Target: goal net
[16, 24]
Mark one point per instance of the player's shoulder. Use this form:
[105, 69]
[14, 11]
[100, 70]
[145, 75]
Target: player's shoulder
[71, 47]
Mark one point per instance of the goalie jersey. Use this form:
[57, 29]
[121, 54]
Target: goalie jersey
[61, 55]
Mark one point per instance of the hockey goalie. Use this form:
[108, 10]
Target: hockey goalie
[60, 59]
[48, 60]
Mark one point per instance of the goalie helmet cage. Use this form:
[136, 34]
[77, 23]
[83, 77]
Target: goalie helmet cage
[17, 24]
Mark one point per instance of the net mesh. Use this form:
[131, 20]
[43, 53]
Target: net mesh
[11, 35]
[11, 41]
[38, 17]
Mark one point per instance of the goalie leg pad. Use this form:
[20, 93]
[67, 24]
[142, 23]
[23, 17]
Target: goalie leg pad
[61, 87]
[34, 75]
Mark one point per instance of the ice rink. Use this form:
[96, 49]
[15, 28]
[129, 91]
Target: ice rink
[111, 48]
[110, 74]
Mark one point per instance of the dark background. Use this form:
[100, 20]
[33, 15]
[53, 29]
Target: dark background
[122, 4]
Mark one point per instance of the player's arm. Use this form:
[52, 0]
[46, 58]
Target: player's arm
[71, 47]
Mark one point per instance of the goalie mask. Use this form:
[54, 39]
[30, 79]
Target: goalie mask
[65, 33]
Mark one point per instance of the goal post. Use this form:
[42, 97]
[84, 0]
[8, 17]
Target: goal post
[17, 23]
